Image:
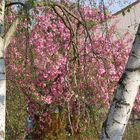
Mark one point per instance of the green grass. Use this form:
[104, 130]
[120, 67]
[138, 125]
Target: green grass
[15, 113]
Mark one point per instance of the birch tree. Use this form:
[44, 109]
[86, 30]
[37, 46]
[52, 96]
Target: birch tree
[125, 94]
[2, 73]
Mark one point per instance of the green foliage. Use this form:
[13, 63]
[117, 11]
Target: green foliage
[15, 113]
[90, 24]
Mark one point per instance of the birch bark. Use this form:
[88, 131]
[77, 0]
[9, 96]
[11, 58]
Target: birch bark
[2, 74]
[125, 94]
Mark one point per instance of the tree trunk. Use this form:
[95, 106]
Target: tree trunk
[2, 96]
[125, 94]
[2, 74]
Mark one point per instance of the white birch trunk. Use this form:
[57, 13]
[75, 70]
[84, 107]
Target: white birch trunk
[2, 74]
[125, 94]
[2, 94]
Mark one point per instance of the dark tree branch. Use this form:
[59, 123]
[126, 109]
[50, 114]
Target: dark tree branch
[15, 3]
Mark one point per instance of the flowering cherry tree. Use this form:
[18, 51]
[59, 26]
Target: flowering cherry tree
[66, 60]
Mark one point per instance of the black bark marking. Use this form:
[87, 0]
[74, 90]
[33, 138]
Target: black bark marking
[116, 121]
[2, 73]
[15, 3]
[138, 33]
[133, 53]
[124, 75]
[105, 128]
[128, 111]
[120, 102]
[132, 69]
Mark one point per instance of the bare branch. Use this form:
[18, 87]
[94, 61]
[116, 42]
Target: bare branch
[15, 3]
[10, 33]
